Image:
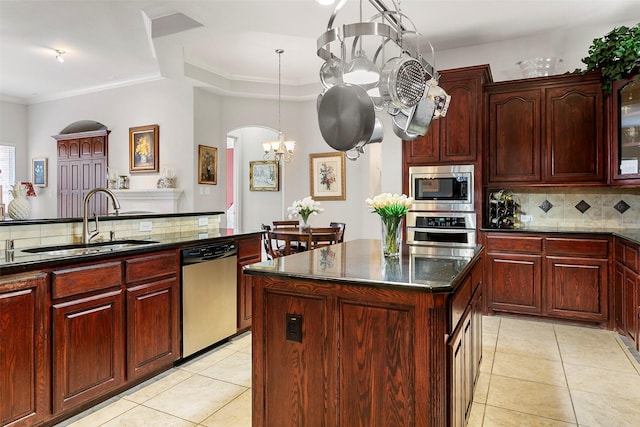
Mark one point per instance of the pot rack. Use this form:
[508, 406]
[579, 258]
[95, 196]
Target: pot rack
[407, 86]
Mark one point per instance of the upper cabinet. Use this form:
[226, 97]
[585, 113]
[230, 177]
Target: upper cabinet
[546, 131]
[624, 104]
[455, 137]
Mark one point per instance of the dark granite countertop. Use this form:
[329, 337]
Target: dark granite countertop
[630, 234]
[18, 260]
[360, 262]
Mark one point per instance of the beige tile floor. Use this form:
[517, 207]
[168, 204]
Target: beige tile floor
[535, 374]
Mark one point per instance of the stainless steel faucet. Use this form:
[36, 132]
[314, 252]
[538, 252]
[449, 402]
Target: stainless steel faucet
[88, 235]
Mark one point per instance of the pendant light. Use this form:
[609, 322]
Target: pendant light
[281, 148]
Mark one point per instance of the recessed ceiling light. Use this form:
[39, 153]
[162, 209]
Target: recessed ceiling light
[59, 56]
[326, 2]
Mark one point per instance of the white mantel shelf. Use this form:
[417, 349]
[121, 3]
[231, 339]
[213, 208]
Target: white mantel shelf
[156, 200]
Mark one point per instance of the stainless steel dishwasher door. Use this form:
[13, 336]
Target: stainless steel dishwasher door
[209, 303]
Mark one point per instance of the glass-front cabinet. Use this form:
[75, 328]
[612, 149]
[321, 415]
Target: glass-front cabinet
[625, 129]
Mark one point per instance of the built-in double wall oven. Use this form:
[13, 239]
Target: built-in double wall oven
[443, 212]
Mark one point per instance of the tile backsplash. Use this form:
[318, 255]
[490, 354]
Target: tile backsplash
[580, 207]
[60, 233]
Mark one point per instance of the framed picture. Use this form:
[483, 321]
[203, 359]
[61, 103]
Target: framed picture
[144, 144]
[39, 172]
[207, 165]
[264, 176]
[327, 175]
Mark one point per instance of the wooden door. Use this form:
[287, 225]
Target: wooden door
[577, 288]
[82, 166]
[514, 283]
[88, 348]
[575, 133]
[24, 380]
[515, 135]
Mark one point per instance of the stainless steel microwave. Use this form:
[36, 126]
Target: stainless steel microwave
[442, 188]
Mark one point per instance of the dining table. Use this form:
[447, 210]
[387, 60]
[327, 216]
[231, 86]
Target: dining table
[290, 234]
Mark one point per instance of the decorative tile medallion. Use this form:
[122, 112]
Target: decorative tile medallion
[621, 206]
[583, 206]
[546, 206]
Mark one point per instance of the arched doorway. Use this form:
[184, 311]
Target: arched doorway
[249, 209]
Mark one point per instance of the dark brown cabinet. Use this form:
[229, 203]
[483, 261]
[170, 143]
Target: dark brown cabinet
[626, 291]
[249, 252]
[88, 333]
[624, 131]
[455, 137]
[546, 131]
[556, 276]
[153, 313]
[514, 274]
[24, 332]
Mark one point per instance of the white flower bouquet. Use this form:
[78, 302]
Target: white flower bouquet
[304, 208]
[391, 208]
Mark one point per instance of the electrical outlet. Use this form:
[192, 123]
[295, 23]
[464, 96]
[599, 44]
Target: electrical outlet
[526, 218]
[294, 327]
[203, 222]
[145, 226]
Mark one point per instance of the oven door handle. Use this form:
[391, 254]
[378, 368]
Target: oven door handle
[442, 230]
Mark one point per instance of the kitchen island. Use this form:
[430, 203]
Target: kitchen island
[343, 337]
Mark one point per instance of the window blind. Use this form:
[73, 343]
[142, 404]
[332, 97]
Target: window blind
[7, 170]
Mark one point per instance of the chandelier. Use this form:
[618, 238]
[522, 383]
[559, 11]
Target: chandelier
[275, 150]
[396, 79]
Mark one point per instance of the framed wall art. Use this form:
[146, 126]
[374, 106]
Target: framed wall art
[327, 175]
[207, 165]
[144, 149]
[39, 172]
[264, 176]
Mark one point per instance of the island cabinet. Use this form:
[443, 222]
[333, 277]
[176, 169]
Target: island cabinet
[249, 252]
[88, 334]
[330, 350]
[465, 346]
[626, 291]
[549, 275]
[546, 131]
[455, 137]
[23, 356]
[153, 313]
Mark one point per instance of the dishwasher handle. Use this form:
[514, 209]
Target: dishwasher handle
[208, 253]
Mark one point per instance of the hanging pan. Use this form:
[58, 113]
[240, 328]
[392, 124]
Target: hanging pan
[346, 116]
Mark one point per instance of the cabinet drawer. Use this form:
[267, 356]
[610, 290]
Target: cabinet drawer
[151, 266]
[514, 244]
[78, 280]
[459, 302]
[577, 247]
[250, 247]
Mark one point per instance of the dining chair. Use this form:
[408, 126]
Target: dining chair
[341, 226]
[286, 224]
[268, 243]
[323, 236]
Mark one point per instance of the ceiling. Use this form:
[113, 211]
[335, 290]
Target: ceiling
[229, 45]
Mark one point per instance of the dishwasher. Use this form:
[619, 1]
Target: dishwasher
[209, 295]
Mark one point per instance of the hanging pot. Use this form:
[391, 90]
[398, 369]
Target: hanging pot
[346, 116]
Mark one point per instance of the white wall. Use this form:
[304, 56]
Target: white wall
[163, 102]
[191, 117]
[13, 131]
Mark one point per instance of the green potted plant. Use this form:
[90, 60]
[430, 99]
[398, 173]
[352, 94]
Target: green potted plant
[616, 55]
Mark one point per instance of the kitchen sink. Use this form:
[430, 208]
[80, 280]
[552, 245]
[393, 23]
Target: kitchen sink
[89, 248]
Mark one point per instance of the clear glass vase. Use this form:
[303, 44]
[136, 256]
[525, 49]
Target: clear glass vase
[304, 224]
[391, 235]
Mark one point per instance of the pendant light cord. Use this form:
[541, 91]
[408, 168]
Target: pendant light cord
[279, 52]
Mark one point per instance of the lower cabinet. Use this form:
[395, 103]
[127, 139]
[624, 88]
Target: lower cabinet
[551, 275]
[24, 333]
[88, 348]
[626, 291]
[465, 352]
[153, 313]
[249, 252]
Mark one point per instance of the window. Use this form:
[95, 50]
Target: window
[7, 170]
